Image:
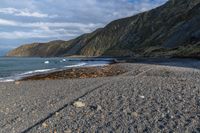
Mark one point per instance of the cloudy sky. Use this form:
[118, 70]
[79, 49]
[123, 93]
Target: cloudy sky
[27, 21]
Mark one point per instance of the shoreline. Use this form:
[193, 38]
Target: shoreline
[81, 63]
[84, 71]
[145, 91]
[79, 73]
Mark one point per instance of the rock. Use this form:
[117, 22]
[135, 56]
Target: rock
[44, 125]
[55, 131]
[79, 104]
[23, 109]
[17, 82]
[68, 131]
[198, 102]
[96, 107]
[134, 114]
[99, 108]
[57, 113]
[142, 97]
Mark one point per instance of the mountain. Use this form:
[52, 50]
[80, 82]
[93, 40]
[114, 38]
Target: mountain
[172, 29]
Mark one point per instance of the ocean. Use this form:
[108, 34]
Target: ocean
[12, 69]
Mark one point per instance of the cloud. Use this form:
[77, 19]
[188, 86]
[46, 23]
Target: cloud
[24, 13]
[6, 22]
[45, 29]
[60, 33]
[28, 21]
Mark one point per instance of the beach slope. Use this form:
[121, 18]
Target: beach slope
[146, 98]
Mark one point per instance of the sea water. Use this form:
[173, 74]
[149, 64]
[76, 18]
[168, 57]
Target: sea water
[12, 69]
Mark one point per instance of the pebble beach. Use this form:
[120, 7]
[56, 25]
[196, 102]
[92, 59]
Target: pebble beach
[142, 97]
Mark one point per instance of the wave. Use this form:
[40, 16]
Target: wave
[95, 65]
[77, 65]
[25, 74]
[46, 62]
[34, 72]
[37, 71]
[6, 80]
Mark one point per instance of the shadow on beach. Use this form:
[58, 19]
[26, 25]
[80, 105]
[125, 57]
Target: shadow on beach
[176, 62]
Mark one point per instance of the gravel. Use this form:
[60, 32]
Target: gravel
[148, 98]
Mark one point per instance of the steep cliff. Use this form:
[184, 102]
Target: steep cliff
[168, 30]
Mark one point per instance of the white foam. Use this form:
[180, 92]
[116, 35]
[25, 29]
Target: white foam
[77, 65]
[19, 76]
[95, 65]
[37, 71]
[29, 73]
[46, 62]
[6, 80]
[63, 60]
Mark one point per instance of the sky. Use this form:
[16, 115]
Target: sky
[28, 21]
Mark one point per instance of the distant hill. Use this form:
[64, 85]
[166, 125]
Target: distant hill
[172, 29]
